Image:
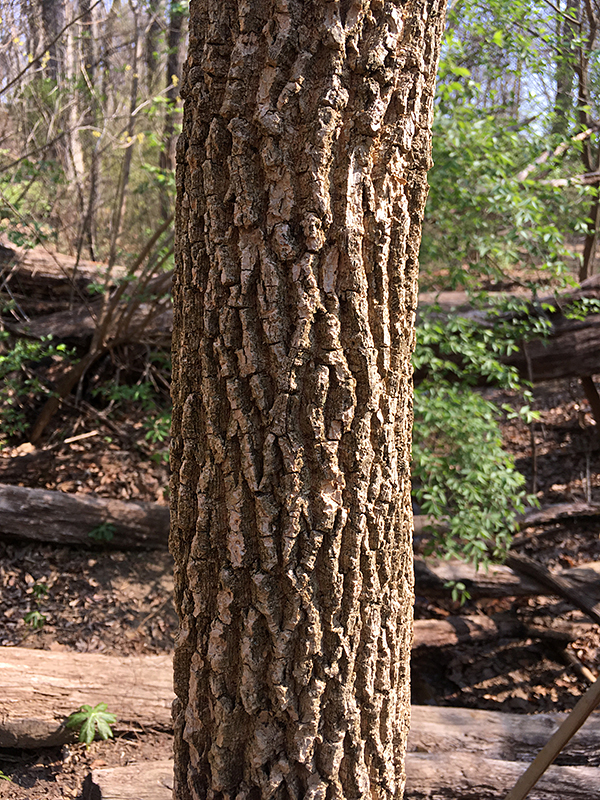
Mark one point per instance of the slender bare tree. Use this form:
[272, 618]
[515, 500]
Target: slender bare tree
[301, 187]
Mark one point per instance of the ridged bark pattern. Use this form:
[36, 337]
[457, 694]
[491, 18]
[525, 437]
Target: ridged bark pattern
[301, 186]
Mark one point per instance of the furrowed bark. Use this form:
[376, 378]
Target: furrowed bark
[301, 186]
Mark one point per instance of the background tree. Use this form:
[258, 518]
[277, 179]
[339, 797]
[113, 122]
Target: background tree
[302, 182]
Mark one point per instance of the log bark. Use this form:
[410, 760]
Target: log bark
[501, 581]
[459, 630]
[39, 689]
[499, 735]
[462, 776]
[556, 584]
[572, 350]
[142, 781]
[455, 630]
[48, 516]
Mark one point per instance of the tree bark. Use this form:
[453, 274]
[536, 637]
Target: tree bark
[301, 186]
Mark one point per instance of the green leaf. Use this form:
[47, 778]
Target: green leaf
[91, 720]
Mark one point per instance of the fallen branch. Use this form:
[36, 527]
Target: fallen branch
[556, 584]
[535, 771]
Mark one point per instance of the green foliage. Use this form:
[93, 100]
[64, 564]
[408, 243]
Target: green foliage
[39, 590]
[458, 591]
[90, 721]
[158, 430]
[4, 777]
[463, 477]
[451, 348]
[482, 222]
[35, 619]
[142, 394]
[105, 532]
[19, 384]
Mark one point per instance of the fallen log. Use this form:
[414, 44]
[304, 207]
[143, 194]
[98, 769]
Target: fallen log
[455, 630]
[462, 776]
[453, 753]
[149, 323]
[460, 630]
[499, 735]
[142, 781]
[558, 511]
[571, 350]
[500, 580]
[39, 689]
[556, 584]
[48, 516]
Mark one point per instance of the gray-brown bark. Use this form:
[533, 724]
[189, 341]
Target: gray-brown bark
[301, 185]
[462, 776]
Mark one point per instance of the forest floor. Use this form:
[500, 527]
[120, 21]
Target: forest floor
[103, 600]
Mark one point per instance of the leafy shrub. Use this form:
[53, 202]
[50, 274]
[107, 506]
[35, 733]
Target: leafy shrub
[463, 478]
[19, 384]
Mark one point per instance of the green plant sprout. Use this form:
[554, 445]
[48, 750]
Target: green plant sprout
[105, 532]
[35, 619]
[90, 721]
[4, 777]
[40, 590]
[459, 591]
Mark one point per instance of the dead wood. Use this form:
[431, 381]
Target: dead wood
[463, 776]
[146, 324]
[557, 511]
[453, 753]
[459, 630]
[445, 776]
[498, 735]
[39, 689]
[557, 743]
[455, 630]
[142, 781]
[556, 584]
[49, 516]
[501, 581]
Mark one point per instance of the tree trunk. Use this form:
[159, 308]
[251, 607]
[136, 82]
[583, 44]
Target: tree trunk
[566, 59]
[301, 186]
[167, 153]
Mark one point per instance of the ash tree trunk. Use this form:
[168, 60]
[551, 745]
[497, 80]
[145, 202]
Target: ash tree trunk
[301, 186]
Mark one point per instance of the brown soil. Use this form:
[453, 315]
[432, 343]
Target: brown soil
[59, 772]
